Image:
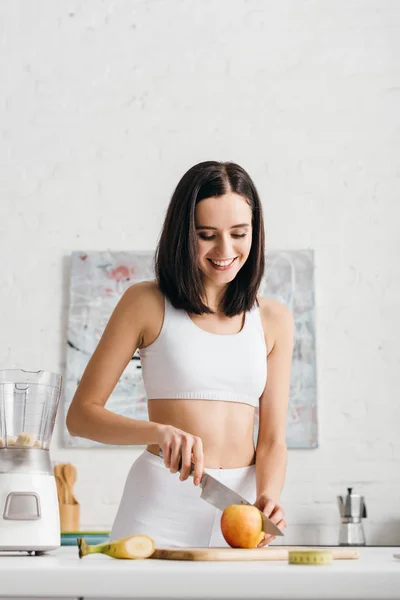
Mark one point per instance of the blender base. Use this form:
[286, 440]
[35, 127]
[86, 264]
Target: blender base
[40, 534]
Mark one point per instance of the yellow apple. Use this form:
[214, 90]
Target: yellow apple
[241, 526]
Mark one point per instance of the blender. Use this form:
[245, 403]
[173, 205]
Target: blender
[29, 512]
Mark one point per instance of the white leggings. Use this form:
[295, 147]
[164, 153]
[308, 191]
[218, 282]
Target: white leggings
[155, 502]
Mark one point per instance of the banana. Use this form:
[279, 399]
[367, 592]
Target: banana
[134, 546]
[25, 439]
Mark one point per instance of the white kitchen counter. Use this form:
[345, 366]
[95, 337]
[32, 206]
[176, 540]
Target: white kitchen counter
[61, 574]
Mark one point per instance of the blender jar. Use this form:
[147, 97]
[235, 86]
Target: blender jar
[28, 408]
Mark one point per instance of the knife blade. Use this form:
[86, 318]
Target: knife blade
[219, 495]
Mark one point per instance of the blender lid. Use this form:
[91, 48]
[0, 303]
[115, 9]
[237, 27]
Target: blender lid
[21, 376]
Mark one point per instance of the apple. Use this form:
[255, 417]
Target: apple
[241, 526]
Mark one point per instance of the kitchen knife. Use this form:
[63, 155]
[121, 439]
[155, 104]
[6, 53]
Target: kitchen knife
[219, 495]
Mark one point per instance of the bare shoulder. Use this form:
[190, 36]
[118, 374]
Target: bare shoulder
[143, 292]
[277, 320]
[146, 305]
[273, 310]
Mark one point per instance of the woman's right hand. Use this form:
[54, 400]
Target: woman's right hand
[180, 447]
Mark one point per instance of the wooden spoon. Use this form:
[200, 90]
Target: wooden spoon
[59, 473]
[60, 489]
[69, 473]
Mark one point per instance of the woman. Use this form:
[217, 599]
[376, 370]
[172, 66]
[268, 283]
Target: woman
[205, 339]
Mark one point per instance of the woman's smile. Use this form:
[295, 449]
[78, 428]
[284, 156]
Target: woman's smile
[224, 236]
[222, 264]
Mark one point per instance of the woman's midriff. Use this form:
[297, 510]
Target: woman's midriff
[225, 428]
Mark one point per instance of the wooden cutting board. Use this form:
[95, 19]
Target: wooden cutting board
[215, 554]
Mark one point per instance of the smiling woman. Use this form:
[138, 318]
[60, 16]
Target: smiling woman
[215, 214]
[227, 247]
[205, 340]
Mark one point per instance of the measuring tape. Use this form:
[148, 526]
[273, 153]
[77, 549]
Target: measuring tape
[310, 557]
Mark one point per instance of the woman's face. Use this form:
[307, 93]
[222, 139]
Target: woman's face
[224, 233]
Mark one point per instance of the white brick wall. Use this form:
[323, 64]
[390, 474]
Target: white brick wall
[104, 105]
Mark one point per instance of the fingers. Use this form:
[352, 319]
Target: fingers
[277, 515]
[275, 512]
[186, 452]
[269, 508]
[281, 524]
[198, 460]
[175, 458]
[267, 540]
[167, 456]
[270, 538]
[192, 459]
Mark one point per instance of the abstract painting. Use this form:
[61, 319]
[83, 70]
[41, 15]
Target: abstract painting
[98, 280]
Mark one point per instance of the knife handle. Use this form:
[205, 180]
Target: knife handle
[161, 455]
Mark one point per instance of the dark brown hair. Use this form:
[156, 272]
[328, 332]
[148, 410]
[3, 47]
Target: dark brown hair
[176, 265]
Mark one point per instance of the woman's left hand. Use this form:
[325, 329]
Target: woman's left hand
[275, 512]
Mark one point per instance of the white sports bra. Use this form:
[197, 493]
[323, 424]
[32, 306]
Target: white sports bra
[187, 362]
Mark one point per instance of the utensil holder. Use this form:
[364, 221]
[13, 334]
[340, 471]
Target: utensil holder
[69, 517]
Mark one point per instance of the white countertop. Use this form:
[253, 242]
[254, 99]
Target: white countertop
[376, 574]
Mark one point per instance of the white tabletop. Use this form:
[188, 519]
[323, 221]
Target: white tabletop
[62, 574]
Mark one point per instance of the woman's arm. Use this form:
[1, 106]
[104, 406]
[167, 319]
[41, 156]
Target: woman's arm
[87, 416]
[271, 452]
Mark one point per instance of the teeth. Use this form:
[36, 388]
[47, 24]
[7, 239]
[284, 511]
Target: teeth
[222, 263]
